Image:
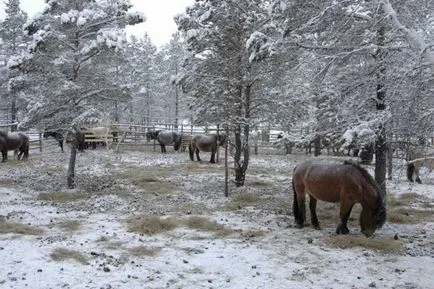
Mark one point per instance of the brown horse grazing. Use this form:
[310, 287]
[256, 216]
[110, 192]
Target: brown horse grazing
[206, 143]
[414, 166]
[14, 141]
[347, 183]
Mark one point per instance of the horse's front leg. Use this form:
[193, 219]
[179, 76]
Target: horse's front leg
[302, 212]
[212, 160]
[345, 212]
[197, 155]
[163, 148]
[313, 217]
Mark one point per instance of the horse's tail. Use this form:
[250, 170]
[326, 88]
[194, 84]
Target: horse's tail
[191, 150]
[410, 171]
[295, 208]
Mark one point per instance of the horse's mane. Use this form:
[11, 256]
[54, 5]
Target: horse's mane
[367, 176]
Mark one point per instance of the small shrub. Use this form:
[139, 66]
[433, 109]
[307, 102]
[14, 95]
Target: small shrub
[204, 224]
[241, 201]
[62, 254]
[145, 251]
[60, 197]
[70, 226]
[17, 228]
[151, 225]
[380, 244]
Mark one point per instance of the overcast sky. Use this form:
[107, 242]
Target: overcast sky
[159, 14]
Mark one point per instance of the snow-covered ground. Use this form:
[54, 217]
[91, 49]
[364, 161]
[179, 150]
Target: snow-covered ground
[263, 250]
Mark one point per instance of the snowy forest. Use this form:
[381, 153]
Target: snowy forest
[330, 76]
[349, 72]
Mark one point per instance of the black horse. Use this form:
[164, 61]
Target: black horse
[206, 143]
[68, 136]
[165, 137]
[57, 135]
[16, 141]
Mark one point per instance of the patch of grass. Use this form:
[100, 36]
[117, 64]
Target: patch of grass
[103, 239]
[145, 251]
[240, 201]
[198, 167]
[205, 224]
[17, 228]
[60, 197]
[380, 244]
[62, 254]
[260, 183]
[409, 208]
[402, 200]
[252, 233]
[151, 225]
[115, 245]
[149, 180]
[403, 215]
[70, 225]
[52, 169]
[9, 182]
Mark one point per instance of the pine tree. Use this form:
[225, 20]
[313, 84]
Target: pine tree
[14, 42]
[219, 74]
[66, 37]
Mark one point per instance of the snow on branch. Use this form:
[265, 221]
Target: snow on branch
[414, 40]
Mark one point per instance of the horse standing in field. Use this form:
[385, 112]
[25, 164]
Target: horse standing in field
[414, 166]
[60, 136]
[16, 141]
[165, 137]
[346, 183]
[57, 135]
[206, 143]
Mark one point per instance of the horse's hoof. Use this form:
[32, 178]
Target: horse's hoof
[317, 227]
[298, 226]
[342, 231]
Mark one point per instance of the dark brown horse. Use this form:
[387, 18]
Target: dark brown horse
[206, 143]
[57, 135]
[14, 141]
[346, 183]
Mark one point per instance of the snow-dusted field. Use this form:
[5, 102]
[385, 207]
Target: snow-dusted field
[81, 238]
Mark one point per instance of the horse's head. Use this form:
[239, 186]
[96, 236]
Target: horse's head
[222, 139]
[3, 134]
[152, 134]
[371, 220]
[373, 214]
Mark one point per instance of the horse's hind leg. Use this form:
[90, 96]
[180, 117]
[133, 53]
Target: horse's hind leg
[212, 160]
[163, 148]
[345, 212]
[313, 217]
[191, 151]
[410, 171]
[4, 156]
[416, 172]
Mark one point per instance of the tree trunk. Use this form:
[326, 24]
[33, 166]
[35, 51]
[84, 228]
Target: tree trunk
[13, 112]
[317, 146]
[389, 162]
[70, 178]
[381, 144]
[242, 165]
